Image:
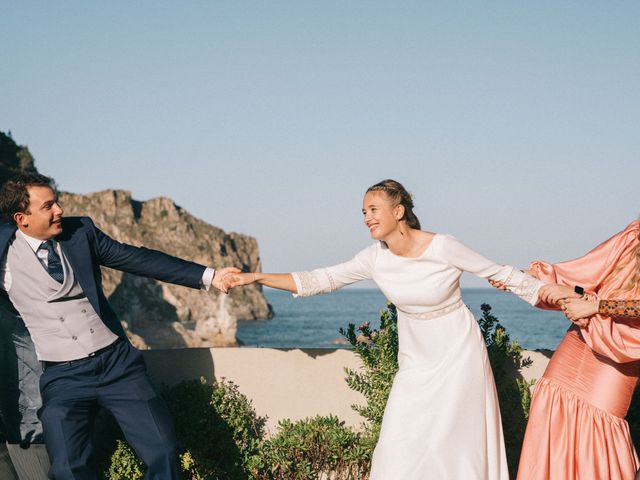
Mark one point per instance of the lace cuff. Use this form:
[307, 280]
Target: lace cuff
[619, 308]
[313, 283]
[524, 286]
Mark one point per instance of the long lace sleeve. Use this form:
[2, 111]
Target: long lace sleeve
[328, 279]
[464, 258]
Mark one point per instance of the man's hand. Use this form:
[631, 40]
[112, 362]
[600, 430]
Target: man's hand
[552, 293]
[219, 278]
[579, 310]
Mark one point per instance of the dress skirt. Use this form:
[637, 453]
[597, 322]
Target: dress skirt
[442, 419]
[576, 426]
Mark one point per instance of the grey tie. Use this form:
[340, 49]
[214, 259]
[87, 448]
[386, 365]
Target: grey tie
[54, 266]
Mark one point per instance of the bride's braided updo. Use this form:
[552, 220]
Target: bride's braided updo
[399, 196]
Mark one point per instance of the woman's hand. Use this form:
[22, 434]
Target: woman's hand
[580, 310]
[552, 293]
[499, 285]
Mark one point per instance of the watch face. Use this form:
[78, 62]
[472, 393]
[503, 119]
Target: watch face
[579, 290]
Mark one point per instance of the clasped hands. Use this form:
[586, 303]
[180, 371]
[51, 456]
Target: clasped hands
[575, 307]
[227, 278]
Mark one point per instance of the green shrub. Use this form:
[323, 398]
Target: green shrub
[217, 429]
[217, 426]
[378, 351]
[514, 394]
[310, 448]
[125, 465]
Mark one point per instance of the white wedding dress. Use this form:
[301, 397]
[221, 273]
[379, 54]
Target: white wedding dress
[442, 419]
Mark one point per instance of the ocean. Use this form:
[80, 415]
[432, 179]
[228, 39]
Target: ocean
[313, 322]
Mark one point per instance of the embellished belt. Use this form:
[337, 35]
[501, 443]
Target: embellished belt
[434, 313]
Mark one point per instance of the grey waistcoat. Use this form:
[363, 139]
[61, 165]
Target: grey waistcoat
[62, 323]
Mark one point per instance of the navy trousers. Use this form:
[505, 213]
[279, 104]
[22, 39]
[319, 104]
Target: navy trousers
[117, 380]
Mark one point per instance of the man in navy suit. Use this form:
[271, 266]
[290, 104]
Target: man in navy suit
[50, 274]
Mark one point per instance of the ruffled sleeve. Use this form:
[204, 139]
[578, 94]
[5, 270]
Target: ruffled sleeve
[328, 279]
[615, 337]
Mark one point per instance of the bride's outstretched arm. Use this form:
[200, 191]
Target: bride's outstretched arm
[314, 282]
[281, 281]
[459, 255]
[550, 296]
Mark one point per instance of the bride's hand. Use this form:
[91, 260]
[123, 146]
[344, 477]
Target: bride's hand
[499, 285]
[552, 293]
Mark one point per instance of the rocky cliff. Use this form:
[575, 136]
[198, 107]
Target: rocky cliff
[13, 158]
[156, 314]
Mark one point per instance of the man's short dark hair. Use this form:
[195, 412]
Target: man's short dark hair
[14, 196]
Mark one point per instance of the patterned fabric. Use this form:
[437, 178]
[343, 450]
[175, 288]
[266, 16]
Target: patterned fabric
[524, 286]
[54, 266]
[314, 282]
[620, 308]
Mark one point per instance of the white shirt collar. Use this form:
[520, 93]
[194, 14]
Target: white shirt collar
[34, 243]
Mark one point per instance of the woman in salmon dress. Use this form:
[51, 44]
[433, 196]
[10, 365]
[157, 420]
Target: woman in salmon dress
[577, 428]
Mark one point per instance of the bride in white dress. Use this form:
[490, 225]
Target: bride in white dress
[442, 419]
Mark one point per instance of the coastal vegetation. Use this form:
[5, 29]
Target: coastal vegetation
[222, 437]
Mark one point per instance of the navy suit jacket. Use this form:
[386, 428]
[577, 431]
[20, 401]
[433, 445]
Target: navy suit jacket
[87, 248]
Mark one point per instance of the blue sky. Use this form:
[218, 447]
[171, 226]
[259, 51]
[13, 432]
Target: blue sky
[514, 124]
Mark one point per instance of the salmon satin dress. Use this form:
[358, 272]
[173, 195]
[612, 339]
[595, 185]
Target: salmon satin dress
[576, 428]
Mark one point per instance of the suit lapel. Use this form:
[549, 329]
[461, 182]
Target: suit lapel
[76, 250]
[7, 232]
